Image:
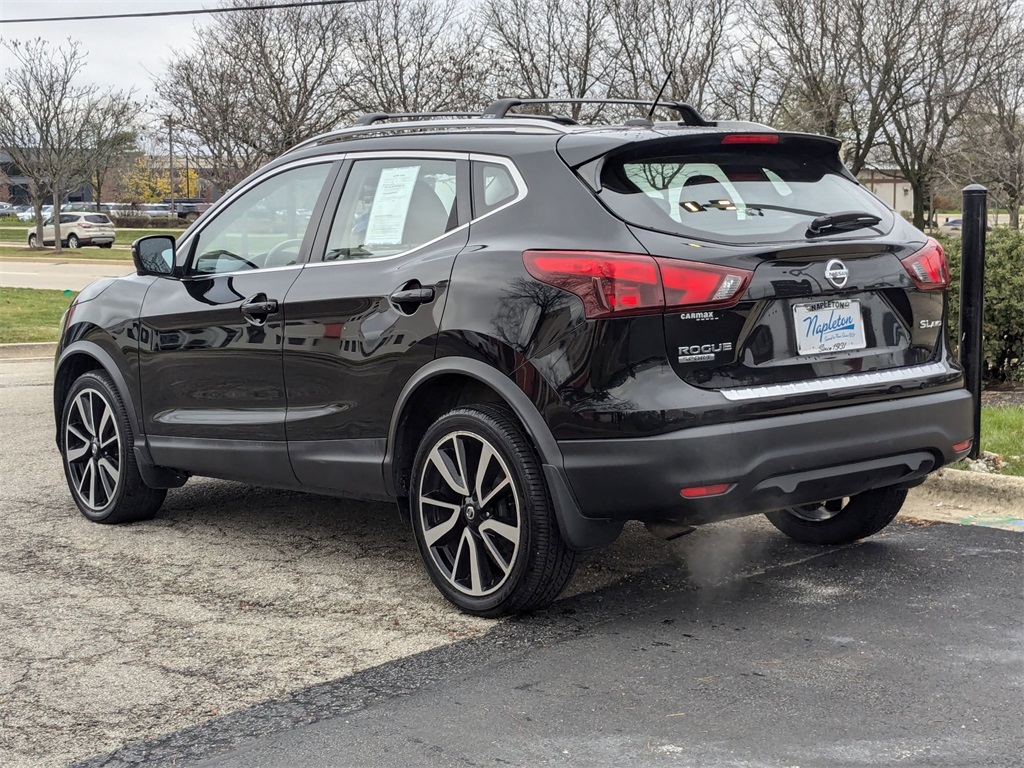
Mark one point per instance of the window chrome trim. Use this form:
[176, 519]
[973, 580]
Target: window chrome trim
[517, 178]
[831, 383]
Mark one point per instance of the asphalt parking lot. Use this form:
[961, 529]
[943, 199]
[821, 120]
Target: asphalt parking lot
[243, 612]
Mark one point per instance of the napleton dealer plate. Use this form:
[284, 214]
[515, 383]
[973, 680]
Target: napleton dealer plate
[834, 325]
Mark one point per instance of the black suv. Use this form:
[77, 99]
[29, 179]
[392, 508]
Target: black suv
[527, 332]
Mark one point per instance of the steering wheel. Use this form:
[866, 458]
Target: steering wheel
[281, 251]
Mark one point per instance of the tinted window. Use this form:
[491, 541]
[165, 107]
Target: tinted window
[738, 195]
[69, 218]
[391, 206]
[263, 227]
[96, 218]
[493, 186]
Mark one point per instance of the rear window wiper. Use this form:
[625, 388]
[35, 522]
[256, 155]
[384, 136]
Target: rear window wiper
[844, 221]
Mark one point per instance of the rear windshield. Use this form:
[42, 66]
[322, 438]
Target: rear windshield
[735, 195]
[96, 218]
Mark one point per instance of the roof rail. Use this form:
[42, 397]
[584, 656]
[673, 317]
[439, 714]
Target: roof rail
[515, 123]
[690, 116]
[376, 117]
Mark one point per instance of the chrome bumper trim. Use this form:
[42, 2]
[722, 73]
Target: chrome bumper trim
[831, 383]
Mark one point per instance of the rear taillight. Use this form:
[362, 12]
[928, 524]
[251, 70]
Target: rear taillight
[623, 284]
[85, 225]
[928, 268]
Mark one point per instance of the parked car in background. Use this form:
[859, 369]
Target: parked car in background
[6, 209]
[951, 225]
[29, 213]
[77, 229]
[188, 208]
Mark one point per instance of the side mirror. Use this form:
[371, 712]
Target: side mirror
[154, 255]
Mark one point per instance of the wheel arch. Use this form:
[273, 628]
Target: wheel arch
[448, 382]
[438, 387]
[81, 357]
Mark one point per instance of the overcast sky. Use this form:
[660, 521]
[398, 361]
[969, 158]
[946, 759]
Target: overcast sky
[122, 52]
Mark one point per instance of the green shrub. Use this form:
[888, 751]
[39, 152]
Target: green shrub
[1003, 325]
[149, 222]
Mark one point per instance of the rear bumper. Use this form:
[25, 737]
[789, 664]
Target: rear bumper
[770, 463]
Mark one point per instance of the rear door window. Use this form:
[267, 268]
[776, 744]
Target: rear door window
[736, 195]
[392, 206]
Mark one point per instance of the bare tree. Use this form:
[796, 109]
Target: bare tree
[655, 38]
[54, 130]
[551, 49]
[416, 56]
[258, 82]
[990, 147]
[953, 63]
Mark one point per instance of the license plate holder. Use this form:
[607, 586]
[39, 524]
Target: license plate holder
[827, 326]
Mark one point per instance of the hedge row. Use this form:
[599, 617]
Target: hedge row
[1003, 322]
[150, 222]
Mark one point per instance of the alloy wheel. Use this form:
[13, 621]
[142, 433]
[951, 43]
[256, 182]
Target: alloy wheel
[470, 513]
[92, 449]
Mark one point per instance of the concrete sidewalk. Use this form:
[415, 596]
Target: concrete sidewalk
[59, 274]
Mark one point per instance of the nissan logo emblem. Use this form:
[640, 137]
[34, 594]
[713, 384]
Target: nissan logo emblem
[837, 273]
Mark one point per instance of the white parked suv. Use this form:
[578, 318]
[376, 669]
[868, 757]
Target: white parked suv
[78, 229]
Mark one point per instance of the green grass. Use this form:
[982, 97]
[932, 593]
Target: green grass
[27, 314]
[23, 252]
[1002, 432]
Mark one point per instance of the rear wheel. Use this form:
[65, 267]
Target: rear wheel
[106, 245]
[840, 521]
[97, 445]
[483, 521]
[72, 241]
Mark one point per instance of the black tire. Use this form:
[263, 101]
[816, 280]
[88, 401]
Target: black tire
[32, 240]
[72, 241]
[106, 245]
[94, 445]
[840, 521]
[510, 575]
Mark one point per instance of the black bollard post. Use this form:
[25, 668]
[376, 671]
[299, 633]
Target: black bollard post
[972, 298]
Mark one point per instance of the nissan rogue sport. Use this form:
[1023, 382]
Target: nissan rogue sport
[527, 332]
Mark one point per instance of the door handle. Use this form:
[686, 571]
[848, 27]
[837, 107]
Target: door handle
[256, 308]
[413, 296]
[260, 307]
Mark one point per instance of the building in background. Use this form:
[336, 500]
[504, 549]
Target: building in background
[888, 185]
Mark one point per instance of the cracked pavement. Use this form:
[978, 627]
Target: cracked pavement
[259, 610]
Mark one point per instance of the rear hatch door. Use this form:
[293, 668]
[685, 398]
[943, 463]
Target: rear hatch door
[862, 296]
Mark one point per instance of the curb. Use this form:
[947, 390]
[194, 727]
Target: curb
[1005, 489]
[27, 351]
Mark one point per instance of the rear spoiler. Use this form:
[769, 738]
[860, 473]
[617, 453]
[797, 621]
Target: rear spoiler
[578, 148]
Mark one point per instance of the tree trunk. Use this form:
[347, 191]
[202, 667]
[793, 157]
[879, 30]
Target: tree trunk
[920, 189]
[56, 220]
[1015, 202]
[37, 204]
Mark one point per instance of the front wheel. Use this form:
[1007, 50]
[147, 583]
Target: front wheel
[482, 517]
[97, 446]
[840, 521]
[32, 240]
